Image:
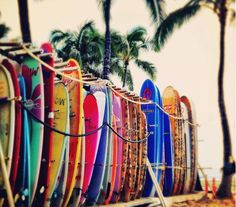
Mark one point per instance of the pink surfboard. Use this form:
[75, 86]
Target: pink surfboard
[118, 115]
[91, 117]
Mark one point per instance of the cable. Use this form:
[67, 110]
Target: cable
[58, 131]
[124, 139]
[81, 135]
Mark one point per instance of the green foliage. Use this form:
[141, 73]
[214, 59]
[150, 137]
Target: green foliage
[157, 10]
[87, 47]
[148, 67]
[127, 48]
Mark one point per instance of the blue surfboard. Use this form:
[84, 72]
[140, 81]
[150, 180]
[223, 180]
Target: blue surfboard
[23, 177]
[104, 191]
[169, 158]
[149, 91]
[160, 131]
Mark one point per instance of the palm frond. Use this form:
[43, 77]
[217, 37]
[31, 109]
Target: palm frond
[137, 34]
[87, 26]
[232, 17]
[3, 30]
[148, 67]
[57, 36]
[173, 21]
[157, 10]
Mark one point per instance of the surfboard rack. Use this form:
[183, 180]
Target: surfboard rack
[61, 65]
[90, 79]
[22, 52]
[6, 181]
[45, 55]
[13, 44]
[64, 69]
[58, 60]
[87, 75]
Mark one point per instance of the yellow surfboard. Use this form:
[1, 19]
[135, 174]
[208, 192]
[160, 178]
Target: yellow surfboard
[61, 122]
[76, 123]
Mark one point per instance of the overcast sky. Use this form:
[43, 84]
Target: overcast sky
[189, 61]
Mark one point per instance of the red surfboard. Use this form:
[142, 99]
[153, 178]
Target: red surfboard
[48, 78]
[91, 141]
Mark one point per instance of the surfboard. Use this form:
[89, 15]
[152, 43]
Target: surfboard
[125, 134]
[32, 73]
[58, 195]
[149, 91]
[99, 167]
[22, 185]
[114, 162]
[104, 192]
[138, 185]
[193, 142]
[61, 122]
[44, 174]
[181, 144]
[161, 152]
[77, 191]
[144, 133]
[18, 123]
[194, 148]
[129, 187]
[7, 116]
[186, 129]
[91, 115]
[7, 120]
[75, 96]
[170, 103]
[169, 158]
[118, 115]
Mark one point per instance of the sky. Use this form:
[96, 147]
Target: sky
[189, 60]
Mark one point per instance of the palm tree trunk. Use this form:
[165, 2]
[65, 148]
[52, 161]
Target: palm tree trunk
[24, 20]
[125, 74]
[107, 53]
[224, 190]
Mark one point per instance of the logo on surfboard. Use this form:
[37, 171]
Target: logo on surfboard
[147, 93]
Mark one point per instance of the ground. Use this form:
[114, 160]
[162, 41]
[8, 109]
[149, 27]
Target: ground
[207, 202]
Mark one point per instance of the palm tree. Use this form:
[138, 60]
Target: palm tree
[127, 48]
[106, 7]
[24, 20]
[174, 20]
[86, 46]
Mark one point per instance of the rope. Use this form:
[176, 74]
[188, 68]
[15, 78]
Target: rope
[124, 139]
[101, 82]
[56, 130]
[148, 103]
[81, 135]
